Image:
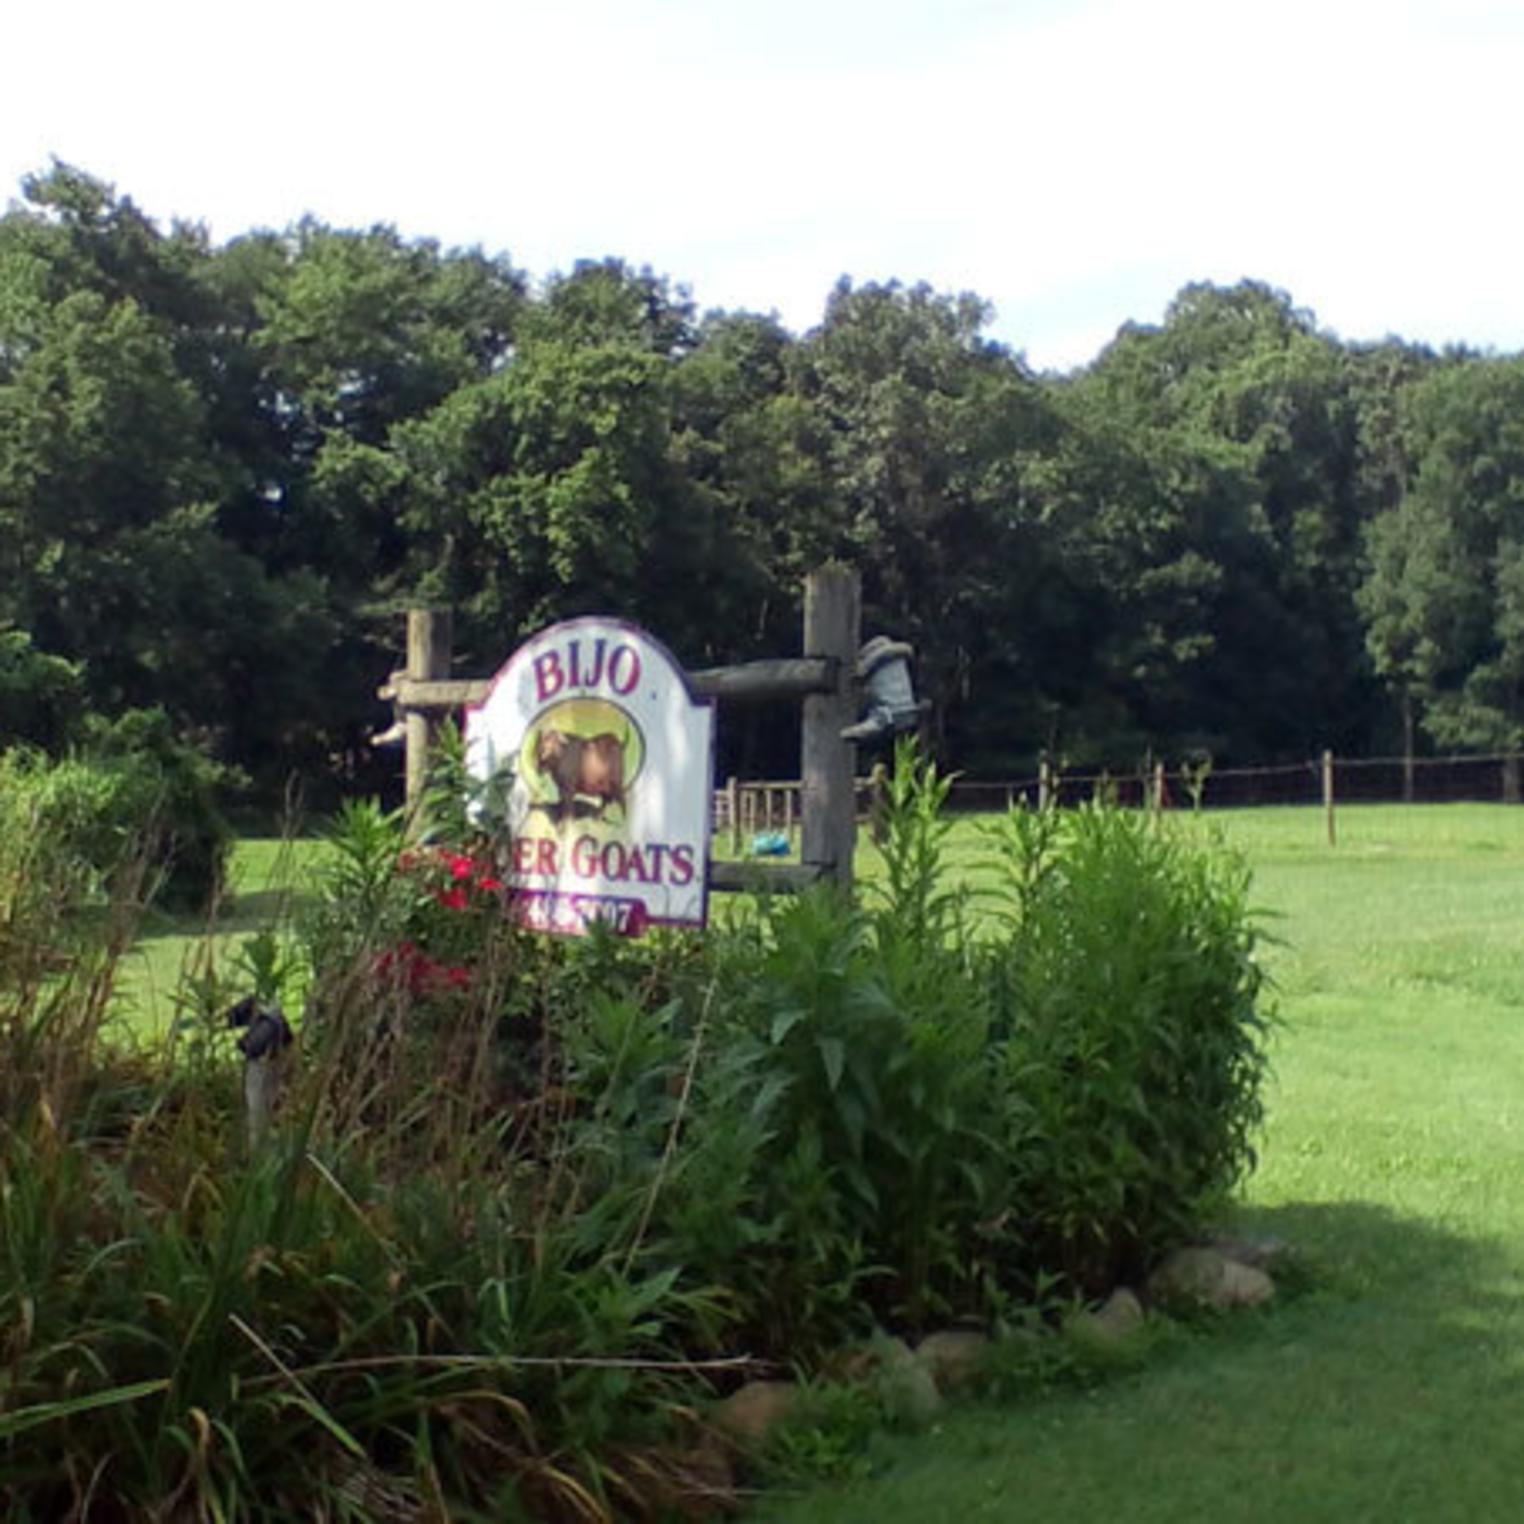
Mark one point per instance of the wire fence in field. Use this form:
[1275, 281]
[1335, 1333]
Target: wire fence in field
[745, 809]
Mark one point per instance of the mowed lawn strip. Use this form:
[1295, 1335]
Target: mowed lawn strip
[1391, 1158]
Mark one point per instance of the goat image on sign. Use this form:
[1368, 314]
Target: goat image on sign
[587, 752]
[605, 759]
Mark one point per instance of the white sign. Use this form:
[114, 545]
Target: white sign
[609, 766]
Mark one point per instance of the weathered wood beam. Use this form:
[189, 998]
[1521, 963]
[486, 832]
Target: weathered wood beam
[790, 677]
[434, 693]
[763, 878]
[748, 682]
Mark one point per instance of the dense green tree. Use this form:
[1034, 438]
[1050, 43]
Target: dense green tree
[1220, 458]
[114, 477]
[1444, 593]
[225, 470]
[926, 427]
[41, 696]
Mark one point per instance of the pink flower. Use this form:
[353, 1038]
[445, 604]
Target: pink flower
[461, 868]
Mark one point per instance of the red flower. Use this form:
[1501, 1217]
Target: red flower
[453, 899]
[403, 954]
[461, 868]
[490, 884]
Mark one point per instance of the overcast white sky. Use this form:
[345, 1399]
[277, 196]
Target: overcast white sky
[1073, 161]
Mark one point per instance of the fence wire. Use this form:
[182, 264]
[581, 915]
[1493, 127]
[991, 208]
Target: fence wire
[1491, 778]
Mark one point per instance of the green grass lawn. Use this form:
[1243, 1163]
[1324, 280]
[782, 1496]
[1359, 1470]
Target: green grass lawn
[1392, 1158]
[267, 881]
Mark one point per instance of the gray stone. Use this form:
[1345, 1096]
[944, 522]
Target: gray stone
[905, 1385]
[1263, 1253]
[1115, 1321]
[1108, 1326]
[954, 1356]
[1206, 1277]
[752, 1412]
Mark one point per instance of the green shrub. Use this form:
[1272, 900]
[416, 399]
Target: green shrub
[168, 789]
[1129, 995]
[909, 1112]
[129, 795]
[41, 696]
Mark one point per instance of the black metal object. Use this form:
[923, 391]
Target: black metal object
[267, 1030]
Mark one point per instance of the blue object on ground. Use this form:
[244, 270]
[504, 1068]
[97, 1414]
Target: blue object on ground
[769, 844]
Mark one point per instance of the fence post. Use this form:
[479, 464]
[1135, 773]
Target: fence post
[429, 636]
[1160, 792]
[1328, 796]
[1407, 745]
[832, 624]
[1511, 778]
[1044, 784]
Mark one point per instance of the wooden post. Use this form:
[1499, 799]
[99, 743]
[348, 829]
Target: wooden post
[1511, 778]
[1407, 746]
[788, 815]
[832, 624]
[1328, 796]
[1160, 793]
[733, 801]
[261, 1091]
[1044, 784]
[429, 636]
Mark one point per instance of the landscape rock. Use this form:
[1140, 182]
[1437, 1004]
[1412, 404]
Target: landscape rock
[902, 1381]
[1263, 1253]
[1115, 1321]
[1206, 1278]
[906, 1385]
[752, 1412]
[954, 1356]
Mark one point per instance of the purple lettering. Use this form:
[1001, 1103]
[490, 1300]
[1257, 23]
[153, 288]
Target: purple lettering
[584, 857]
[682, 865]
[624, 669]
[549, 679]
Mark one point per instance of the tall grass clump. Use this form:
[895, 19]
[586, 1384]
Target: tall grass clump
[422, 1297]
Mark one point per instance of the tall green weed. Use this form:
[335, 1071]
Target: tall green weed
[1129, 996]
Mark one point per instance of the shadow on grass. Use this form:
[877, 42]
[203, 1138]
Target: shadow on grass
[1363, 1249]
[247, 911]
[1384, 1384]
